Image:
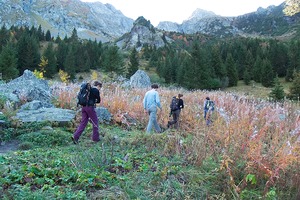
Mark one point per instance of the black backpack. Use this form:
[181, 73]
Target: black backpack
[174, 104]
[210, 105]
[84, 94]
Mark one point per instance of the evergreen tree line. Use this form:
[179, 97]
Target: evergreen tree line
[24, 48]
[202, 65]
[223, 64]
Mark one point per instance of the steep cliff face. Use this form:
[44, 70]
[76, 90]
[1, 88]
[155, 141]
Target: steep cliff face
[142, 32]
[92, 20]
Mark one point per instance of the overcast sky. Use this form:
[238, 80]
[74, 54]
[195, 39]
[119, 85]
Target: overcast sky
[179, 10]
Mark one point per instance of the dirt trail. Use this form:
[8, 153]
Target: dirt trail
[9, 146]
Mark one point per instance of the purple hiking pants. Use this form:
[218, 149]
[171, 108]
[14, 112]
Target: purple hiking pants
[88, 112]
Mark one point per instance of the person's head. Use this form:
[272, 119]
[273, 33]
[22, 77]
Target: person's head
[98, 85]
[207, 98]
[180, 95]
[154, 86]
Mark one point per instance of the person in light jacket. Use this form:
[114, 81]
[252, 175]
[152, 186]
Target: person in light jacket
[150, 103]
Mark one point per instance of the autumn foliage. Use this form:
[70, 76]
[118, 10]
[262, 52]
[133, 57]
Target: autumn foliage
[255, 142]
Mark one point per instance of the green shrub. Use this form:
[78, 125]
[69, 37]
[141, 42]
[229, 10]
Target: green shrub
[46, 138]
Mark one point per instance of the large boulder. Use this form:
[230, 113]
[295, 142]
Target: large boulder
[27, 88]
[140, 80]
[104, 116]
[46, 114]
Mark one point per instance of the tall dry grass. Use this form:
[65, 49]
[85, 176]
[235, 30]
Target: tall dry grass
[263, 136]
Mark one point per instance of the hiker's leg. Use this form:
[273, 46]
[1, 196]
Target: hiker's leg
[176, 118]
[83, 123]
[95, 123]
[153, 120]
[150, 122]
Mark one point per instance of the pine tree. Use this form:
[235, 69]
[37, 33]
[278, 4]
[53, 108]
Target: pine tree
[61, 54]
[134, 63]
[8, 63]
[48, 36]
[112, 60]
[69, 63]
[28, 53]
[231, 71]
[277, 92]
[257, 69]
[267, 78]
[295, 87]
[51, 67]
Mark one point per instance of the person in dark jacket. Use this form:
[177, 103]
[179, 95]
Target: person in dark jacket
[88, 113]
[176, 113]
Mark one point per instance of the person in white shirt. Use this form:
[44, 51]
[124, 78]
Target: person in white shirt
[151, 102]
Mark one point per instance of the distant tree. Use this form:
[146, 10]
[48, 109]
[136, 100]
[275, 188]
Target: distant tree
[74, 36]
[4, 36]
[292, 7]
[69, 63]
[48, 36]
[232, 73]
[8, 62]
[246, 77]
[277, 92]
[51, 67]
[28, 52]
[112, 60]
[134, 63]
[40, 33]
[257, 69]
[217, 63]
[268, 75]
[295, 87]
[61, 54]
[86, 67]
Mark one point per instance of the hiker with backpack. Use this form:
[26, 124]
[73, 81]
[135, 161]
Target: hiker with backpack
[175, 108]
[150, 103]
[87, 98]
[209, 107]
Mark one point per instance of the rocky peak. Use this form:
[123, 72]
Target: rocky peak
[202, 14]
[142, 32]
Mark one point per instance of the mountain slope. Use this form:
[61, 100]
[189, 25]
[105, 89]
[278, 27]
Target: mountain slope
[264, 22]
[92, 20]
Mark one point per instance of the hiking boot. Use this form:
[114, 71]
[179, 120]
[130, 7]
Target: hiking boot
[74, 141]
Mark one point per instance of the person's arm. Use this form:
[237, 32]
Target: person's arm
[157, 100]
[96, 94]
[181, 105]
[145, 102]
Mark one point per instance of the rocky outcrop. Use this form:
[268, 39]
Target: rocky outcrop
[142, 33]
[92, 20]
[26, 88]
[140, 80]
[46, 114]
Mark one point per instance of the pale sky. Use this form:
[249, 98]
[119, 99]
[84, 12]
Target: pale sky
[180, 10]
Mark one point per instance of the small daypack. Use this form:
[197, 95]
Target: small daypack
[174, 104]
[83, 95]
[210, 105]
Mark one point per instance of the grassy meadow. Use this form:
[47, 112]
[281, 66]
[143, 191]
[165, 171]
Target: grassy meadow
[252, 150]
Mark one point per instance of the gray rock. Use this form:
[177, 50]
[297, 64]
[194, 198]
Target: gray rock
[140, 80]
[46, 114]
[27, 88]
[35, 105]
[104, 116]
